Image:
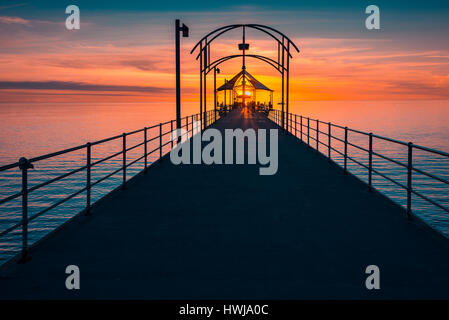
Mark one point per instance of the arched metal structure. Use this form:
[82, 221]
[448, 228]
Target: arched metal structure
[282, 64]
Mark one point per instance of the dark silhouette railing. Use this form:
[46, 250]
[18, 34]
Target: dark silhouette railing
[301, 128]
[25, 164]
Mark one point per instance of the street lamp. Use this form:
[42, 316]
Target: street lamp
[216, 70]
[185, 33]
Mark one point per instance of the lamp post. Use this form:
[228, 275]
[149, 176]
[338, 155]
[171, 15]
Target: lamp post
[216, 70]
[225, 101]
[243, 47]
[185, 33]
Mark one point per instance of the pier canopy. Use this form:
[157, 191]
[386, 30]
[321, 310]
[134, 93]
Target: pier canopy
[256, 93]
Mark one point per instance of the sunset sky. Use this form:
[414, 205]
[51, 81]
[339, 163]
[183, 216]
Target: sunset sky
[124, 50]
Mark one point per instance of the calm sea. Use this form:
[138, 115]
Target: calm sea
[31, 130]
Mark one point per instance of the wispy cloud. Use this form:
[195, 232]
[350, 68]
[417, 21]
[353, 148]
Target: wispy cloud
[78, 86]
[13, 6]
[9, 20]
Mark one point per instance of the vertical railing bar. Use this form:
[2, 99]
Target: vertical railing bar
[124, 161]
[329, 141]
[24, 165]
[308, 131]
[317, 135]
[145, 148]
[346, 151]
[88, 176]
[370, 162]
[160, 141]
[296, 122]
[171, 130]
[300, 130]
[409, 179]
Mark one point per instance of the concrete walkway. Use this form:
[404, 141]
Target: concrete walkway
[224, 231]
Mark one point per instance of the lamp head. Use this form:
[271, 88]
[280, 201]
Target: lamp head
[243, 46]
[185, 31]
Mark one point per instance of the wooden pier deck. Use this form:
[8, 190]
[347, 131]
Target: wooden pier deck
[225, 232]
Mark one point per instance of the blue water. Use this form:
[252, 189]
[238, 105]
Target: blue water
[35, 129]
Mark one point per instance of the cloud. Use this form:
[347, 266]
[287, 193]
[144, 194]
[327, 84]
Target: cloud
[13, 6]
[78, 86]
[6, 19]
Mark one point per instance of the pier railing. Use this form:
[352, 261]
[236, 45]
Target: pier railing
[308, 130]
[162, 130]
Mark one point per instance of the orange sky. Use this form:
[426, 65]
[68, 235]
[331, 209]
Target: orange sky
[42, 61]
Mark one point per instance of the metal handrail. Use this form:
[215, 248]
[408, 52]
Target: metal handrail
[305, 132]
[26, 164]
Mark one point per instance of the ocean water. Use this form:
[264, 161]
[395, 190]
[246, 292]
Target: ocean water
[29, 130]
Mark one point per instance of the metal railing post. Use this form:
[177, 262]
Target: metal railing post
[329, 141]
[289, 125]
[145, 148]
[24, 165]
[291, 122]
[317, 135]
[124, 161]
[370, 163]
[300, 127]
[296, 131]
[308, 131]
[160, 141]
[409, 179]
[88, 176]
[346, 151]
[171, 133]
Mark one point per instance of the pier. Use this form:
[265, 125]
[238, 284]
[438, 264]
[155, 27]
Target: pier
[224, 232]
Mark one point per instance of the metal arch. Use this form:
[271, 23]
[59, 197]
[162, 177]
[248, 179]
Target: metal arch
[217, 62]
[254, 26]
[213, 38]
[275, 38]
[208, 42]
[272, 29]
[212, 32]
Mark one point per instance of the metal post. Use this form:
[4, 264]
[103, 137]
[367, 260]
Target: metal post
[346, 151]
[317, 135]
[201, 85]
[308, 131]
[370, 163]
[288, 80]
[124, 161]
[300, 127]
[205, 91]
[329, 140]
[290, 119]
[88, 176]
[160, 141]
[145, 142]
[283, 88]
[296, 131]
[409, 179]
[215, 93]
[24, 165]
[171, 133]
[178, 73]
